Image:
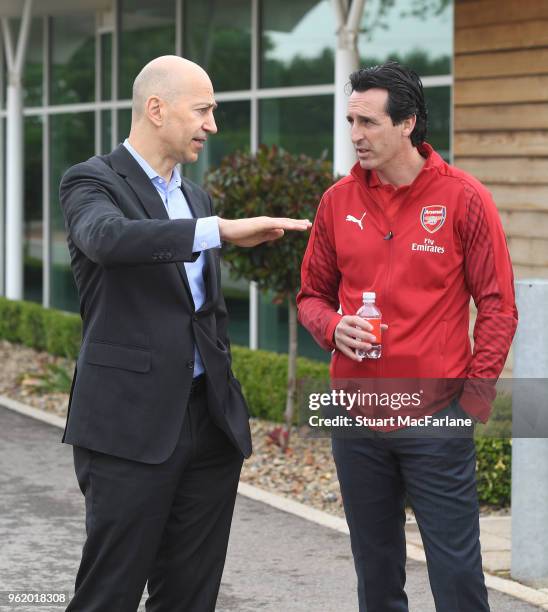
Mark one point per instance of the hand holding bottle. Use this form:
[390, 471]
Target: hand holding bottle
[354, 332]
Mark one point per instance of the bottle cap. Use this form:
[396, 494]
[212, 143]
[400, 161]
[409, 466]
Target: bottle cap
[369, 296]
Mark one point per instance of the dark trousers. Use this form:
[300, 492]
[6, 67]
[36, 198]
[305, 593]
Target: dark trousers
[438, 477]
[167, 524]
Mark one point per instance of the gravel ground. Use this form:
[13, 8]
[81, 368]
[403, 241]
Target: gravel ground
[305, 472]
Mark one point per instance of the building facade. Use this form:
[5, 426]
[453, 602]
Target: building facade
[272, 64]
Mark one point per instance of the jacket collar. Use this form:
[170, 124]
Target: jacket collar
[127, 167]
[371, 179]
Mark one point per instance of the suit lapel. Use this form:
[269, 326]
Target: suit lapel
[126, 166]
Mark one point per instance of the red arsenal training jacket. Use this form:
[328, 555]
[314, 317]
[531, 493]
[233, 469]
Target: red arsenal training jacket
[424, 248]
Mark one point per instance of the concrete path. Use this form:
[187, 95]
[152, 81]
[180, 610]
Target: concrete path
[277, 562]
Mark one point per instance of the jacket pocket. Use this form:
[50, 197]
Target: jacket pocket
[118, 356]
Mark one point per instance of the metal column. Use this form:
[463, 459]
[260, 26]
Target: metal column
[15, 58]
[530, 454]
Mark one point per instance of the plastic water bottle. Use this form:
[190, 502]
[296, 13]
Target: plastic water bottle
[371, 313]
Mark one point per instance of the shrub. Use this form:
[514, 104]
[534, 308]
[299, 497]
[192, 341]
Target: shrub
[47, 329]
[31, 329]
[10, 317]
[263, 376]
[63, 334]
[494, 470]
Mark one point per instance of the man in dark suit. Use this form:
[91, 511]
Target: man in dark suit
[157, 420]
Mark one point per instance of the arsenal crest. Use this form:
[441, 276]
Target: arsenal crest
[433, 217]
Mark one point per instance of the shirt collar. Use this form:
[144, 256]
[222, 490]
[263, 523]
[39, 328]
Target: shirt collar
[149, 170]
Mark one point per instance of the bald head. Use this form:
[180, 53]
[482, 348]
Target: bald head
[167, 77]
[173, 105]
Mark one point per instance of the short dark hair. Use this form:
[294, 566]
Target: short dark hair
[405, 94]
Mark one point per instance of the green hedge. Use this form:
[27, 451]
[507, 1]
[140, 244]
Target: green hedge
[56, 332]
[494, 470]
[263, 376]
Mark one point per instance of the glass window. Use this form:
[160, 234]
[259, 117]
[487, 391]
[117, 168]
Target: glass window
[274, 331]
[418, 34]
[106, 130]
[298, 125]
[236, 293]
[297, 43]
[106, 66]
[217, 36]
[232, 119]
[72, 141]
[33, 244]
[73, 58]
[2, 204]
[3, 76]
[32, 77]
[32, 74]
[438, 103]
[124, 124]
[147, 31]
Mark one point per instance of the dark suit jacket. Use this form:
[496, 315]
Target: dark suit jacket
[135, 366]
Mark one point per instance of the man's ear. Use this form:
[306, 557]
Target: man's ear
[408, 125]
[155, 110]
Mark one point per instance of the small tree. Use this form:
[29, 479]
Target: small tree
[277, 184]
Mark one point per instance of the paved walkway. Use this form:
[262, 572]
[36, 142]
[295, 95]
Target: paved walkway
[277, 562]
[496, 543]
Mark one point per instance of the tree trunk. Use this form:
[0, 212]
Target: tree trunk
[291, 369]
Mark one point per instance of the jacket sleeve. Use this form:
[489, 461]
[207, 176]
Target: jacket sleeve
[100, 230]
[318, 300]
[490, 280]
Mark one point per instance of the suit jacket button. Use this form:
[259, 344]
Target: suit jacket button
[190, 365]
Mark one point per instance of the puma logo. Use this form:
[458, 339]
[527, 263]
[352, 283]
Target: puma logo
[354, 220]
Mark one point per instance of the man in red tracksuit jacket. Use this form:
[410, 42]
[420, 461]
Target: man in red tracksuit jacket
[426, 237]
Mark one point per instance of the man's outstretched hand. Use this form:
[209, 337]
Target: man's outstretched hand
[253, 231]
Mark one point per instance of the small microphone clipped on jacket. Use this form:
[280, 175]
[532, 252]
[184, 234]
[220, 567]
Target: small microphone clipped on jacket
[389, 236]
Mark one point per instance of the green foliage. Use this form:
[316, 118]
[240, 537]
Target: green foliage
[500, 421]
[10, 316]
[263, 376]
[494, 470]
[56, 332]
[274, 183]
[63, 334]
[31, 329]
[494, 454]
[55, 379]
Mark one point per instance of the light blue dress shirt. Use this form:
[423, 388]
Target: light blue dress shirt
[206, 235]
